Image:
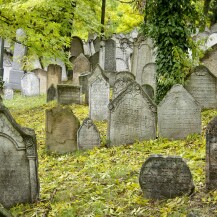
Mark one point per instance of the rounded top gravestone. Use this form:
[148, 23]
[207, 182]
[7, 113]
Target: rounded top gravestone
[165, 177]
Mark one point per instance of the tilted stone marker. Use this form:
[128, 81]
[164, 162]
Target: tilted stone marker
[179, 114]
[42, 75]
[110, 55]
[61, 130]
[149, 90]
[88, 135]
[68, 94]
[51, 93]
[165, 177]
[54, 74]
[83, 82]
[81, 64]
[211, 155]
[76, 46]
[98, 95]
[18, 157]
[30, 84]
[8, 94]
[94, 60]
[202, 86]
[132, 116]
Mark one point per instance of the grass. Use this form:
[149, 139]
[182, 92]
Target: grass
[104, 181]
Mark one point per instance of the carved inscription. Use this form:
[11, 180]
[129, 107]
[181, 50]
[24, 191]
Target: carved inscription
[165, 177]
[99, 99]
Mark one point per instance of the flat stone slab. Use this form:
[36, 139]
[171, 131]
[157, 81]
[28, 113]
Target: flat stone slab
[165, 177]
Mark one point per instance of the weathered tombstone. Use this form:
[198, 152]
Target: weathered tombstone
[110, 55]
[51, 93]
[209, 60]
[123, 79]
[179, 114]
[96, 43]
[61, 130]
[81, 64]
[149, 75]
[17, 72]
[201, 84]
[165, 177]
[149, 90]
[53, 75]
[88, 135]
[98, 95]
[83, 82]
[68, 94]
[8, 94]
[132, 116]
[143, 54]
[94, 60]
[214, 28]
[76, 47]
[212, 40]
[211, 154]
[18, 156]
[30, 84]
[42, 75]
[7, 64]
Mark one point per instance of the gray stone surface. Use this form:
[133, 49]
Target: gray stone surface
[98, 95]
[8, 94]
[61, 130]
[81, 64]
[202, 86]
[54, 74]
[165, 177]
[149, 90]
[76, 46]
[83, 82]
[149, 75]
[211, 154]
[179, 114]
[96, 43]
[30, 84]
[88, 135]
[51, 93]
[94, 60]
[18, 174]
[68, 94]
[42, 75]
[132, 117]
[214, 28]
[110, 55]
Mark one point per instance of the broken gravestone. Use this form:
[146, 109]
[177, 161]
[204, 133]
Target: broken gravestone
[165, 177]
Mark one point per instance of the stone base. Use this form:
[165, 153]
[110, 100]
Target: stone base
[15, 79]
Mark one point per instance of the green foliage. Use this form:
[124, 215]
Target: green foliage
[104, 181]
[170, 24]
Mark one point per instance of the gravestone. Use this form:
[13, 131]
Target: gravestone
[42, 75]
[149, 90]
[68, 94]
[98, 95]
[17, 72]
[94, 60]
[83, 82]
[110, 55]
[123, 79]
[149, 75]
[132, 117]
[51, 93]
[61, 130]
[201, 84]
[143, 54]
[211, 155]
[209, 60]
[76, 47]
[88, 135]
[30, 84]
[53, 75]
[18, 156]
[212, 40]
[8, 94]
[81, 64]
[179, 114]
[7, 65]
[165, 177]
[214, 28]
[96, 43]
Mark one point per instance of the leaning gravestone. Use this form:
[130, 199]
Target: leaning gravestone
[8, 94]
[76, 46]
[17, 72]
[98, 95]
[132, 116]
[83, 82]
[149, 90]
[201, 84]
[165, 177]
[88, 135]
[81, 64]
[53, 75]
[61, 130]
[68, 94]
[30, 84]
[42, 75]
[110, 55]
[51, 93]
[211, 154]
[94, 60]
[18, 156]
[179, 114]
